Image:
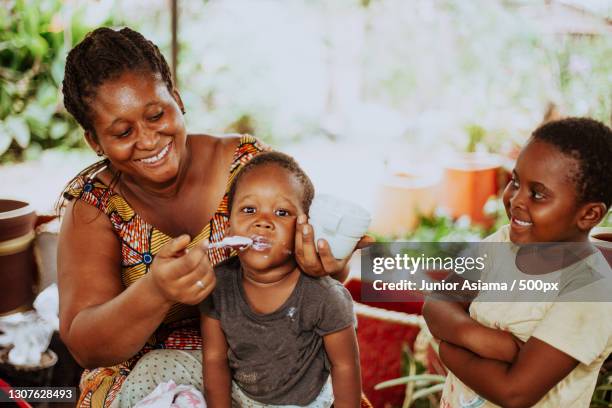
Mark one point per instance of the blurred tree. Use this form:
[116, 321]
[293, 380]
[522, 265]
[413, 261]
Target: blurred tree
[34, 39]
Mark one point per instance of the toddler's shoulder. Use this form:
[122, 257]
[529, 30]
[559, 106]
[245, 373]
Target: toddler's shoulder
[325, 286]
[327, 295]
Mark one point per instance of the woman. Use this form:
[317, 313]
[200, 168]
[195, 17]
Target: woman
[131, 253]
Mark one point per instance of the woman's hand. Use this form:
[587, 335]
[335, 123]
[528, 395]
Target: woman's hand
[181, 275]
[321, 263]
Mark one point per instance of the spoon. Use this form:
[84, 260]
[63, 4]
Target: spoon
[235, 241]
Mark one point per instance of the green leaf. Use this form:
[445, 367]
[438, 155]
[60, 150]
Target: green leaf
[38, 117]
[5, 139]
[18, 129]
[59, 129]
[427, 391]
[38, 46]
[411, 378]
[33, 152]
[57, 68]
[47, 94]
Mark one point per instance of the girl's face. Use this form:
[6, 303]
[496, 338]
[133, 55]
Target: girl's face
[541, 199]
[266, 204]
[139, 126]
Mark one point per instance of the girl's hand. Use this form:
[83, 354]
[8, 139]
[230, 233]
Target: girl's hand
[322, 263]
[181, 275]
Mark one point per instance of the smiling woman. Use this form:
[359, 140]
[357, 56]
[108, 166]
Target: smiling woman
[133, 256]
[147, 141]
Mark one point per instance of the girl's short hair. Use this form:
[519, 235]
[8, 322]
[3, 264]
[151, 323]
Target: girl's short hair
[590, 143]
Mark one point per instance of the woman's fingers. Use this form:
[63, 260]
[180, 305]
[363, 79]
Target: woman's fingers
[199, 282]
[329, 262]
[305, 252]
[175, 247]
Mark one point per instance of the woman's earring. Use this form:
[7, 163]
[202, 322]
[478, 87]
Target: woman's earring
[183, 111]
[99, 152]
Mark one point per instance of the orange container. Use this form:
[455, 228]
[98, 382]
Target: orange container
[469, 181]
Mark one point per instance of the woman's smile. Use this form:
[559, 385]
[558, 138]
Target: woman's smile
[157, 159]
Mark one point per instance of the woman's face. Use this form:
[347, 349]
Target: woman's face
[139, 126]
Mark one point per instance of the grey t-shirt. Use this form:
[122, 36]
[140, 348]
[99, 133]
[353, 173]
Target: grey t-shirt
[279, 358]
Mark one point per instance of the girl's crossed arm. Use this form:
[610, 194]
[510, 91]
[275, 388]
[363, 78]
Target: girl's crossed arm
[215, 367]
[538, 368]
[343, 352]
[450, 322]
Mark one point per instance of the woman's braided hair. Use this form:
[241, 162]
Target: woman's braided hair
[102, 55]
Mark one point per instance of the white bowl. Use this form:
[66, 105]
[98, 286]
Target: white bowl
[340, 222]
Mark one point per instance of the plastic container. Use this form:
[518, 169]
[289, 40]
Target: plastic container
[340, 222]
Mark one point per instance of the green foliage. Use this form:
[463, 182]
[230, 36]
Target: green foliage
[422, 389]
[607, 221]
[476, 135]
[32, 57]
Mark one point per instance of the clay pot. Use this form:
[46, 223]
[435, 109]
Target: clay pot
[17, 266]
[469, 181]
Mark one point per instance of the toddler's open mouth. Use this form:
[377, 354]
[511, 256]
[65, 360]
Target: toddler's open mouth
[260, 243]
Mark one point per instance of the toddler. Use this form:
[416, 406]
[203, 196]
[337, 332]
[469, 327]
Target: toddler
[274, 336]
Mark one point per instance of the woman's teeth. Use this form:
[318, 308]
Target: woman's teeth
[158, 156]
[523, 223]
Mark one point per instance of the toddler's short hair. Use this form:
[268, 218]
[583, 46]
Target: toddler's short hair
[590, 143]
[279, 159]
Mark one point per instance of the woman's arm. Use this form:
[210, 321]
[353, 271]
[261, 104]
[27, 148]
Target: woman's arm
[343, 352]
[450, 322]
[216, 373]
[538, 368]
[101, 322]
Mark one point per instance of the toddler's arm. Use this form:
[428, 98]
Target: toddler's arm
[215, 368]
[538, 368]
[450, 322]
[341, 348]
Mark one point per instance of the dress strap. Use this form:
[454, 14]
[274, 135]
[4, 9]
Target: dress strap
[248, 147]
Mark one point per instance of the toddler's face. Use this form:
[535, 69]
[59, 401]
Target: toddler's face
[541, 198]
[266, 204]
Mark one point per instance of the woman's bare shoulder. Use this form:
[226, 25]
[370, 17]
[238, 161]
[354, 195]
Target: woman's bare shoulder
[224, 144]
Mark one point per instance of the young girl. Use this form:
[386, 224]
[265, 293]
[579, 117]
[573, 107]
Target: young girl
[272, 334]
[543, 354]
